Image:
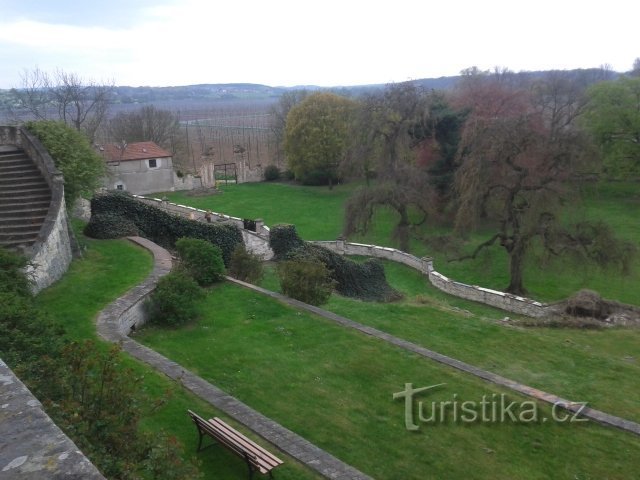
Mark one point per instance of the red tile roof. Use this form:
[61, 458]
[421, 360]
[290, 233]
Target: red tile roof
[113, 152]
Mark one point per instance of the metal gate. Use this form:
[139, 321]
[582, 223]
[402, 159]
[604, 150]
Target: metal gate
[226, 172]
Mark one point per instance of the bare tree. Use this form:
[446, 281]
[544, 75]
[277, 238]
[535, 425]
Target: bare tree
[82, 104]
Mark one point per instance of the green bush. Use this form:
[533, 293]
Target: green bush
[245, 266]
[12, 278]
[283, 239]
[306, 280]
[317, 178]
[288, 175]
[81, 167]
[110, 225]
[175, 301]
[201, 259]
[271, 173]
[164, 228]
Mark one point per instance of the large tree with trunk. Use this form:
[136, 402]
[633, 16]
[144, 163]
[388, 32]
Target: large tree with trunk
[520, 157]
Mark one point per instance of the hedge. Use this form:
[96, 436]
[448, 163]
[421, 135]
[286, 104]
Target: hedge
[164, 228]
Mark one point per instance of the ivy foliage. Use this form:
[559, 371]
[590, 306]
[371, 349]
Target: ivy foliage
[164, 228]
[81, 167]
[110, 225]
[365, 281]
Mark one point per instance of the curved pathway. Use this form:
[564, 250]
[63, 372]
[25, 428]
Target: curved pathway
[112, 326]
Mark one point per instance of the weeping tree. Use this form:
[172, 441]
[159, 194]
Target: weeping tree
[520, 157]
[406, 137]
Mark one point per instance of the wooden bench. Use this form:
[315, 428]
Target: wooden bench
[257, 458]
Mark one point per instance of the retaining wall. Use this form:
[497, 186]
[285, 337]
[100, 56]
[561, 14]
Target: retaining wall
[502, 300]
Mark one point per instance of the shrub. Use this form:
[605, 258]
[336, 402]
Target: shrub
[110, 225]
[271, 173]
[245, 266]
[81, 167]
[201, 259]
[283, 239]
[288, 175]
[317, 178]
[175, 301]
[305, 280]
[12, 277]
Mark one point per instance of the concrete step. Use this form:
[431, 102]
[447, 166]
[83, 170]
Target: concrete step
[23, 160]
[7, 157]
[28, 177]
[14, 240]
[17, 168]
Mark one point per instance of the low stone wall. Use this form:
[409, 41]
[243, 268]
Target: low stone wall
[31, 445]
[256, 242]
[51, 255]
[502, 300]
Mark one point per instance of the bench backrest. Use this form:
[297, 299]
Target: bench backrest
[260, 458]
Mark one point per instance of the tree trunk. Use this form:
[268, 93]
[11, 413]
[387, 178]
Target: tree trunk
[516, 267]
[402, 229]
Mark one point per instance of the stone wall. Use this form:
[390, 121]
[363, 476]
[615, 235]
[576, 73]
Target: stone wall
[502, 300]
[32, 446]
[256, 242]
[51, 255]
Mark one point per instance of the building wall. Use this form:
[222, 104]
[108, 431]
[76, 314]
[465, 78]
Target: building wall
[136, 177]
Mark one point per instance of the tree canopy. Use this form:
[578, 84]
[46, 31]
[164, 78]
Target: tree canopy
[613, 117]
[317, 136]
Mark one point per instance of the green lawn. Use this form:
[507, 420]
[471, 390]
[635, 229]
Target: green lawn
[107, 270]
[334, 386]
[317, 213]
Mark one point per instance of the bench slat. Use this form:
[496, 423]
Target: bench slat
[252, 447]
[242, 446]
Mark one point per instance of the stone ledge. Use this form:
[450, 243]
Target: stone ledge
[32, 446]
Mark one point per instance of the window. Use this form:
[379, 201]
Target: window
[119, 187]
[153, 163]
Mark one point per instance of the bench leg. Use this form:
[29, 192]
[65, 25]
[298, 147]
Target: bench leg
[249, 466]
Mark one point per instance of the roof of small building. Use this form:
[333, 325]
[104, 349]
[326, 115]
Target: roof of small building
[114, 152]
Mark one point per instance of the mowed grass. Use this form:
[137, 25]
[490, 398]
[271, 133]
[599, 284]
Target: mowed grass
[107, 270]
[334, 386]
[318, 214]
[576, 364]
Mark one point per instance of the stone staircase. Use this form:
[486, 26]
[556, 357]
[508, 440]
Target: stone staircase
[24, 199]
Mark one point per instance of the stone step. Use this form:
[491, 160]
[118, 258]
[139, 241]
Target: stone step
[26, 227]
[31, 219]
[24, 212]
[21, 183]
[17, 168]
[30, 200]
[16, 161]
[24, 191]
[16, 240]
[20, 177]
[21, 206]
[7, 157]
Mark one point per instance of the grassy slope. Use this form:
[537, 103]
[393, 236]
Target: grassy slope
[334, 386]
[108, 269]
[318, 212]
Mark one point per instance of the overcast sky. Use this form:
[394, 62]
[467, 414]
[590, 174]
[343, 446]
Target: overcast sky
[303, 42]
